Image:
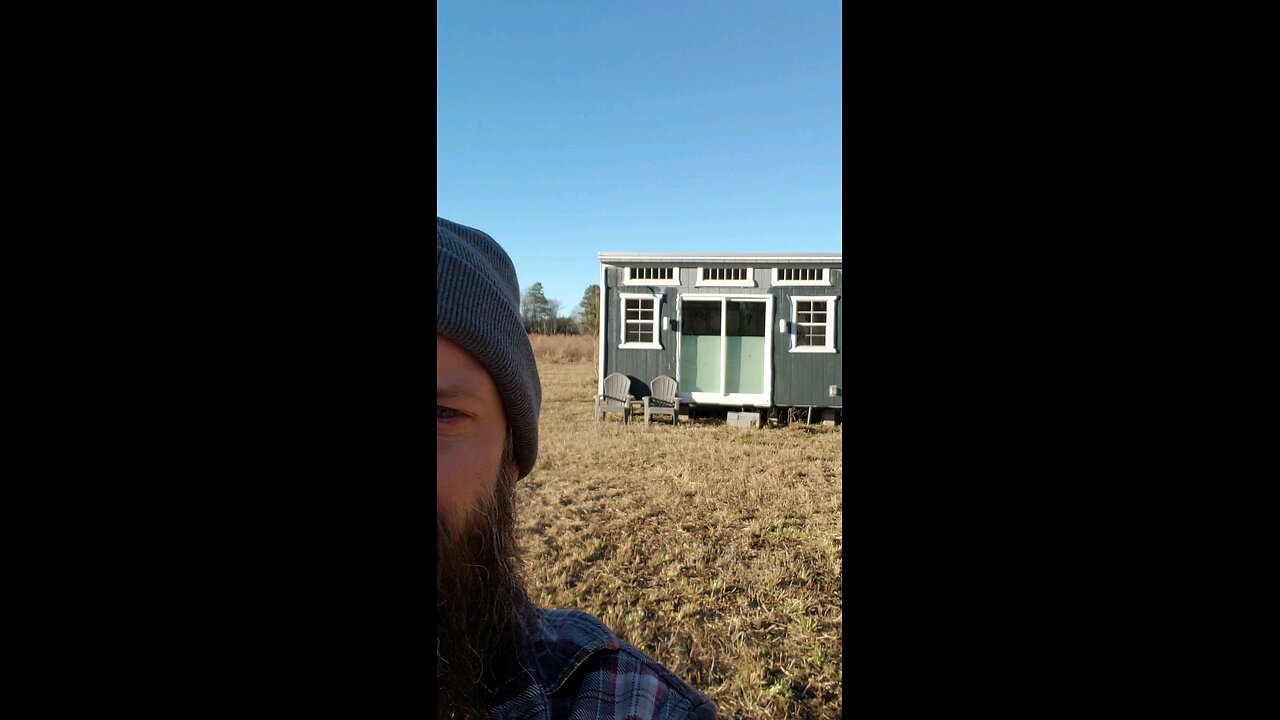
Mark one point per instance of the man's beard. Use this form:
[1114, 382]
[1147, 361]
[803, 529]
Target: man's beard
[481, 604]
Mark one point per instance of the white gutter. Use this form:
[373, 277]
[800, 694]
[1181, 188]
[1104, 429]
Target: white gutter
[616, 257]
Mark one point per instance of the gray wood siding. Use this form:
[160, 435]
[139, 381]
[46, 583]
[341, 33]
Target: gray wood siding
[641, 366]
[803, 378]
[799, 379]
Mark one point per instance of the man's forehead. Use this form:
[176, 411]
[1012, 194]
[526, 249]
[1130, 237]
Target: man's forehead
[459, 374]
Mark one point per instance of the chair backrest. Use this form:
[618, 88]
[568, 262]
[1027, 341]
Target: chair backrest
[663, 387]
[617, 387]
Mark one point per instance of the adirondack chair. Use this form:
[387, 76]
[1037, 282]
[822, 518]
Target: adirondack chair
[615, 397]
[663, 401]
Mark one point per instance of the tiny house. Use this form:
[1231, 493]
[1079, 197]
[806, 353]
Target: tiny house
[734, 330]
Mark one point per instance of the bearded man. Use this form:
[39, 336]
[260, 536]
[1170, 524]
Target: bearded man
[497, 656]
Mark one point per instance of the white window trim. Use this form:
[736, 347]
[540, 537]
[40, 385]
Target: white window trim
[826, 279]
[622, 321]
[830, 347]
[749, 282]
[673, 282]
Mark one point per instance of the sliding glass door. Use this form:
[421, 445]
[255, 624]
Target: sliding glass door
[725, 349]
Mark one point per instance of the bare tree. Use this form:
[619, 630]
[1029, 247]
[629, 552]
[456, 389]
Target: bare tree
[553, 314]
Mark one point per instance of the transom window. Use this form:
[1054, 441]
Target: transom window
[813, 324]
[725, 276]
[651, 275]
[640, 320]
[724, 273]
[801, 276]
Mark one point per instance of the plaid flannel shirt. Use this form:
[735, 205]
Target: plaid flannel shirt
[574, 667]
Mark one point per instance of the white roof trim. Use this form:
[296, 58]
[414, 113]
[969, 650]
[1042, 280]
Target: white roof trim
[616, 257]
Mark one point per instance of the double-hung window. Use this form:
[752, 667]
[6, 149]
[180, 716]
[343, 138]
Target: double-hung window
[813, 324]
[640, 320]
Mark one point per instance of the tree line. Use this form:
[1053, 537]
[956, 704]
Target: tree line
[542, 315]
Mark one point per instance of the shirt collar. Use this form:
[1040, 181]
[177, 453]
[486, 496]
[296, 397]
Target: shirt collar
[557, 642]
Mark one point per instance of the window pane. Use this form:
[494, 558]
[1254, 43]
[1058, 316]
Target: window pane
[646, 315]
[646, 331]
[745, 319]
[811, 336]
[632, 303]
[804, 305]
[700, 317]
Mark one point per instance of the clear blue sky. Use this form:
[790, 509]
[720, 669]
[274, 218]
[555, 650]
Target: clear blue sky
[564, 129]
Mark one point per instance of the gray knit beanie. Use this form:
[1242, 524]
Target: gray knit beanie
[478, 307]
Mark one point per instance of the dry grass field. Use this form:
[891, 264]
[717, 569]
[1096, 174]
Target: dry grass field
[715, 549]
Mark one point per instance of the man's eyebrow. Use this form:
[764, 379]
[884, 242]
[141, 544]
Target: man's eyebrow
[453, 392]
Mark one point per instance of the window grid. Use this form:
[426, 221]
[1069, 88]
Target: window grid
[738, 274]
[639, 320]
[652, 273]
[800, 274]
[811, 323]
[791, 275]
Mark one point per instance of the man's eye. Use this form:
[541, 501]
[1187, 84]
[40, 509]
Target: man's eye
[444, 413]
